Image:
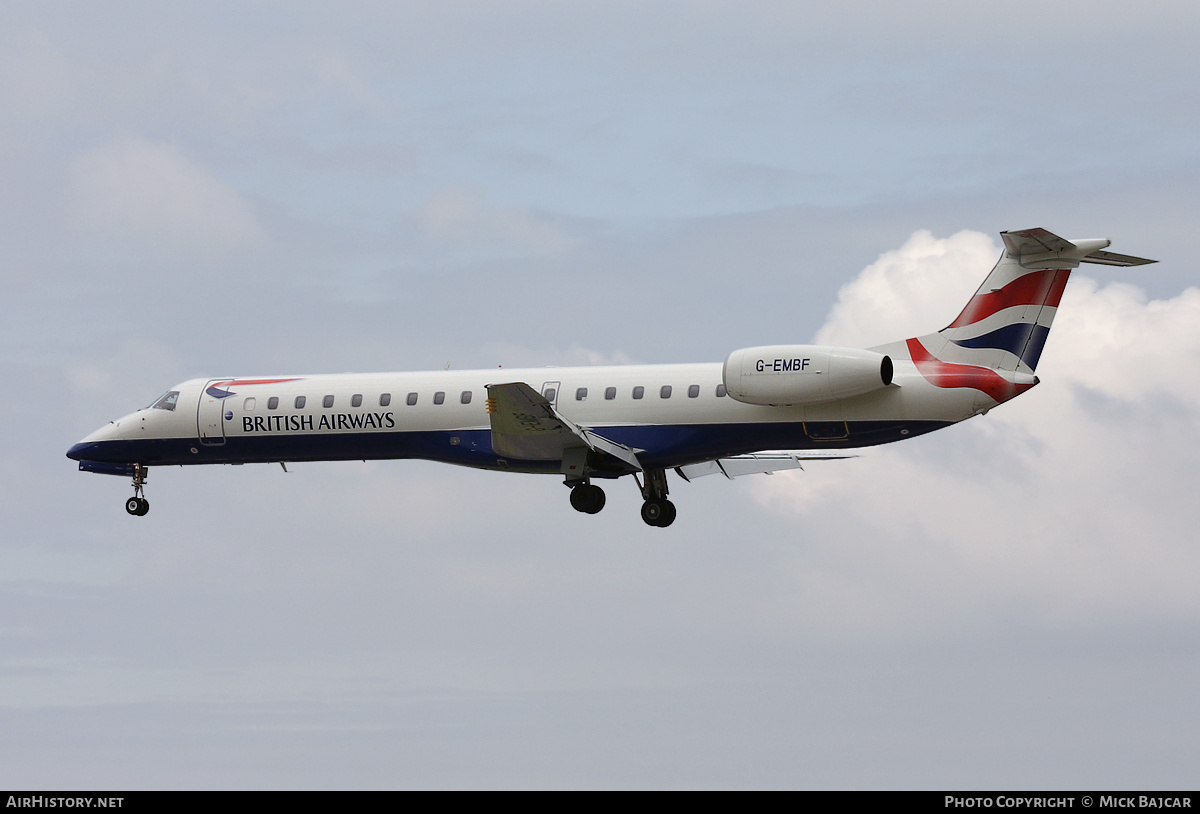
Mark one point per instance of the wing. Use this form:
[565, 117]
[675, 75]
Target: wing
[526, 426]
[758, 463]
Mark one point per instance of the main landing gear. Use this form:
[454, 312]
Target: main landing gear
[138, 505]
[657, 510]
[587, 498]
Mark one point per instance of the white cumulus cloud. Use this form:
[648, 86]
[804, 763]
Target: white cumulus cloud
[1074, 502]
[152, 193]
[913, 290]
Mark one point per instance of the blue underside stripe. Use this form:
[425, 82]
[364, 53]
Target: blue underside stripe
[665, 446]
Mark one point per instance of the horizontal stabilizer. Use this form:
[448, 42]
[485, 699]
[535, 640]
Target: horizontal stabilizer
[759, 463]
[1034, 241]
[1040, 249]
[1114, 259]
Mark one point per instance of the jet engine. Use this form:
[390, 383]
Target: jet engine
[803, 374]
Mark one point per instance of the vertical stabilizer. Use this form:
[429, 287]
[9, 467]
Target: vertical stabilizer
[1005, 325]
[994, 345]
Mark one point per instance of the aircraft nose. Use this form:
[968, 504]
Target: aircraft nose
[78, 452]
[98, 446]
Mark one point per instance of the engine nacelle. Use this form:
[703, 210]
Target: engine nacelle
[803, 374]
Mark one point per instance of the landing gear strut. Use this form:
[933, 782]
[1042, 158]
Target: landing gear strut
[138, 505]
[657, 510]
[587, 498]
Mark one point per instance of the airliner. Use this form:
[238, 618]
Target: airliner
[764, 409]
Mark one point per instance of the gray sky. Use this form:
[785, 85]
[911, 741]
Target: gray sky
[239, 189]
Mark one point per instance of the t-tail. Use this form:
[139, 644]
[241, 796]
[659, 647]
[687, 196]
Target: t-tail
[995, 343]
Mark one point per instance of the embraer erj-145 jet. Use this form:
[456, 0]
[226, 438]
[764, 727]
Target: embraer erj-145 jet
[591, 423]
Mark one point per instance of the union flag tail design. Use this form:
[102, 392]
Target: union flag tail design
[995, 343]
[1011, 313]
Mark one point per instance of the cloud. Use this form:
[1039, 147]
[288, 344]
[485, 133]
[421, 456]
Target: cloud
[463, 217]
[137, 190]
[1072, 504]
[915, 289]
[1111, 340]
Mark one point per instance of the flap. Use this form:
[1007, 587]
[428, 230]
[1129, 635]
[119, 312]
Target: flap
[758, 463]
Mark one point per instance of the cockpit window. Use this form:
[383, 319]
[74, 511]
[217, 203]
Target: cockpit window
[166, 401]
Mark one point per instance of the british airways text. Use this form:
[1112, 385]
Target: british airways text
[334, 421]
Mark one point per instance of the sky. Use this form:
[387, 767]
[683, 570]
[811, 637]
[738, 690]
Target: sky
[289, 188]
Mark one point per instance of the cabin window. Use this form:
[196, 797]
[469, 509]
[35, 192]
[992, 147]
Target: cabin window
[166, 401]
[693, 391]
[721, 391]
[465, 398]
[610, 393]
[639, 391]
[439, 397]
[300, 402]
[248, 404]
[327, 401]
[550, 393]
[385, 399]
[581, 394]
[356, 400]
[664, 392]
[411, 400]
[273, 403]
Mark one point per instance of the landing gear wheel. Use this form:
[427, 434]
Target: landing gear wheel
[587, 498]
[658, 512]
[138, 505]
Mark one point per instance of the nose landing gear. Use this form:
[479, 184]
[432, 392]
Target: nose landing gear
[138, 505]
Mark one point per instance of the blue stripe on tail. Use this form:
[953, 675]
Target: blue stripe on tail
[1024, 340]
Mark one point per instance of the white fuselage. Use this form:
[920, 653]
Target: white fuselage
[676, 414]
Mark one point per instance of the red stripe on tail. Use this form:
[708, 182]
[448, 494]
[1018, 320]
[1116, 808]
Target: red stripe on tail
[949, 374]
[1035, 288]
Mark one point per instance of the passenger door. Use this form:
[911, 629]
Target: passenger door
[210, 419]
